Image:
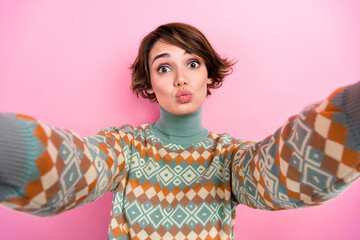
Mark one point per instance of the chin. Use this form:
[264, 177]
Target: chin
[185, 108]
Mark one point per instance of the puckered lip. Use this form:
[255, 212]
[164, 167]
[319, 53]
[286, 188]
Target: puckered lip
[183, 93]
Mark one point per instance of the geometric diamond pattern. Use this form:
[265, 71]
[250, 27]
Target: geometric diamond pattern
[179, 216]
[175, 211]
[203, 214]
[300, 137]
[170, 191]
[316, 178]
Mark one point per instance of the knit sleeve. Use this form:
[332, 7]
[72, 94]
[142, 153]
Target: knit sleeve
[45, 170]
[309, 160]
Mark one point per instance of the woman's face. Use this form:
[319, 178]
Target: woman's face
[178, 78]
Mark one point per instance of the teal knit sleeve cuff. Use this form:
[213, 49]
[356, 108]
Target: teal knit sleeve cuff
[18, 148]
[351, 100]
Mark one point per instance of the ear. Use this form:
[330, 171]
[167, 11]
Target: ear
[151, 91]
[209, 81]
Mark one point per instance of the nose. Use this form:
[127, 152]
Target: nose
[180, 79]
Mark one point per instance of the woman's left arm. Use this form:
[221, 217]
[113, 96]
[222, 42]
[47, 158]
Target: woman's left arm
[309, 160]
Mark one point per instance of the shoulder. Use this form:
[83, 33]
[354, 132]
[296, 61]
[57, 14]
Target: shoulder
[125, 130]
[227, 141]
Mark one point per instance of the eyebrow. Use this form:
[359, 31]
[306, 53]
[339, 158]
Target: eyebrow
[160, 56]
[165, 55]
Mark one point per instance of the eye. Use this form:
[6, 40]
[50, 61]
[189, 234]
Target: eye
[194, 64]
[163, 69]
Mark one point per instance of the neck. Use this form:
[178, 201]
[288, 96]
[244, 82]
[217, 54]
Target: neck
[181, 129]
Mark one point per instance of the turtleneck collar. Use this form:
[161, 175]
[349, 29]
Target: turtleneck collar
[180, 129]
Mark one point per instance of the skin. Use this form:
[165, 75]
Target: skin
[178, 78]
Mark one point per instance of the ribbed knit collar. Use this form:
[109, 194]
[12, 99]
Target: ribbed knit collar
[181, 129]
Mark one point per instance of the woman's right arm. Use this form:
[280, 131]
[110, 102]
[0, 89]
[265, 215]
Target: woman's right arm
[45, 170]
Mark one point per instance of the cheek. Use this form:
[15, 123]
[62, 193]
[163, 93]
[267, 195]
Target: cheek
[203, 83]
[202, 89]
[154, 83]
[161, 89]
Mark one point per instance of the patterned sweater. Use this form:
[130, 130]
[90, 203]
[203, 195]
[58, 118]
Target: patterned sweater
[174, 179]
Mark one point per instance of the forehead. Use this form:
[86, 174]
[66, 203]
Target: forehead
[161, 46]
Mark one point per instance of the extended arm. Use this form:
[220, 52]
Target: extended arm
[46, 170]
[309, 160]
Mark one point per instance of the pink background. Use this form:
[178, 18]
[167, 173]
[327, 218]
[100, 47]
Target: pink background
[66, 63]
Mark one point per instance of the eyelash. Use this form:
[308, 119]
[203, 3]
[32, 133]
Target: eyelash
[194, 61]
[161, 67]
[165, 66]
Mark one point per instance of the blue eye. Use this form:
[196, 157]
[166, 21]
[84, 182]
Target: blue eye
[194, 64]
[163, 69]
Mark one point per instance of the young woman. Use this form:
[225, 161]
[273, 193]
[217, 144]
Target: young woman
[173, 178]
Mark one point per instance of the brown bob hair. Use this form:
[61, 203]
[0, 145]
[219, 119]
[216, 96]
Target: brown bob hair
[186, 37]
